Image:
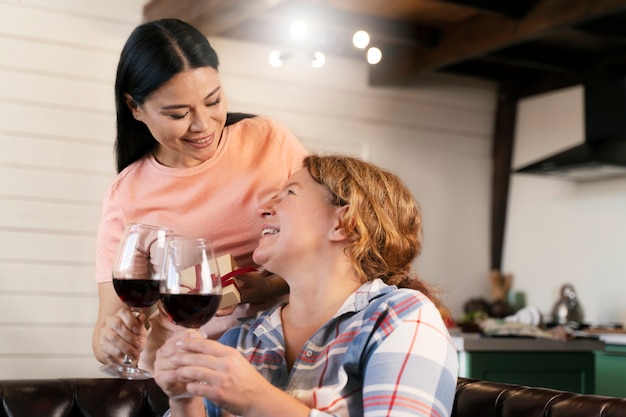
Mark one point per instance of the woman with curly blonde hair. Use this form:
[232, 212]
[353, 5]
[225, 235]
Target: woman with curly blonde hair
[361, 335]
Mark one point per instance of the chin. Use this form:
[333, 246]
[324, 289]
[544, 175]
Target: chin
[258, 258]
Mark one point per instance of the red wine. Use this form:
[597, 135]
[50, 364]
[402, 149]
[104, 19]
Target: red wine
[137, 293]
[191, 310]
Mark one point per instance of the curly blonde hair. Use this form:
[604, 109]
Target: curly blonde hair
[383, 219]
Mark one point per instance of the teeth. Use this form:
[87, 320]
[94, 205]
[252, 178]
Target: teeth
[268, 231]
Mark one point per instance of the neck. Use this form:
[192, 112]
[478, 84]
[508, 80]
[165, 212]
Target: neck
[316, 296]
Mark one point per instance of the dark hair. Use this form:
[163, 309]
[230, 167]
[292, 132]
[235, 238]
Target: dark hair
[152, 55]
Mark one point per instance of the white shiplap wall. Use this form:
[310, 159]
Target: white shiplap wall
[56, 134]
[57, 130]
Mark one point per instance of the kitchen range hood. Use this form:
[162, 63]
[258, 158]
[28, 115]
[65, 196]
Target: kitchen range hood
[603, 153]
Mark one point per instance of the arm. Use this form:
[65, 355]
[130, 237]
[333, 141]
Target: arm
[117, 331]
[416, 363]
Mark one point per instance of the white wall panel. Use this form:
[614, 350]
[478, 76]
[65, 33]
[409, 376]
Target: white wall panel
[49, 366]
[69, 310]
[51, 59]
[362, 106]
[80, 94]
[57, 133]
[29, 246]
[49, 340]
[25, 150]
[53, 185]
[56, 26]
[57, 122]
[46, 215]
[47, 278]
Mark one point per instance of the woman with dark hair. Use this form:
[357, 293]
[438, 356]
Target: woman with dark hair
[184, 163]
[361, 334]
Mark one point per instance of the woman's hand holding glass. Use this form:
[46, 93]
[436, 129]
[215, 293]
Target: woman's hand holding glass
[191, 290]
[201, 367]
[136, 277]
[123, 334]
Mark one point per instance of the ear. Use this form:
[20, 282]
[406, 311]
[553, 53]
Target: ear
[338, 233]
[134, 108]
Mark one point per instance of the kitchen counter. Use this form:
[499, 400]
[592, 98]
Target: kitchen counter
[476, 342]
[540, 362]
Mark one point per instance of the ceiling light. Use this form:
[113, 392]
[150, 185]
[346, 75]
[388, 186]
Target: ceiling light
[374, 55]
[298, 30]
[276, 59]
[318, 60]
[361, 39]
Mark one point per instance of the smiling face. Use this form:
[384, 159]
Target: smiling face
[186, 116]
[300, 228]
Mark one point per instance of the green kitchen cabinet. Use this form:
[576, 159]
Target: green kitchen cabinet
[568, 371]
[535, 362]
[611, 371]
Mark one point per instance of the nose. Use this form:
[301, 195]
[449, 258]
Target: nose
[268, 208]
[200, 121]
[265, 212]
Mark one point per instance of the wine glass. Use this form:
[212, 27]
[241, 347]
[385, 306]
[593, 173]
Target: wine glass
[191, 290]
[137, 271]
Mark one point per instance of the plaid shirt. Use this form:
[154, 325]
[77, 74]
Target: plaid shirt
[386, 352]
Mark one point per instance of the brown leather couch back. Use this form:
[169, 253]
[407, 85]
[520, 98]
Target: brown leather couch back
[476, 398]
[81, 398]
[121, 398]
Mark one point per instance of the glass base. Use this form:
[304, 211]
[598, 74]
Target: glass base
[125, 371]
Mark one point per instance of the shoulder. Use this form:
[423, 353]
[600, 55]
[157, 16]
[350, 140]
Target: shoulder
[254, 123]
[128, 174]
[399, 304]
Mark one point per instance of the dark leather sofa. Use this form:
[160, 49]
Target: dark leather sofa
[121, 398]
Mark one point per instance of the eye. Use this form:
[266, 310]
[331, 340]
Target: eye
[290, 192]
[214, 103]
[179, 116]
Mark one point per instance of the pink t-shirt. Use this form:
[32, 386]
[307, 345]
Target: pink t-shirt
[217, 199]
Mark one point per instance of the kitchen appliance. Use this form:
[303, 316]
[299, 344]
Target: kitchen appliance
[567, 309]
[603, 153]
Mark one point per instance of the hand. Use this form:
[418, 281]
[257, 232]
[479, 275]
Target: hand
[161, 328]
[123, 334]
[256, 287]
[189, 363]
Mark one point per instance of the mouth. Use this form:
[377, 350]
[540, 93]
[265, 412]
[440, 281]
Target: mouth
[269, 231]
[201, 142]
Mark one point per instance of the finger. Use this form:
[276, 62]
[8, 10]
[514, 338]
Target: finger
[124, 328]
[134, 324]
[194, 341]
[115, 348]
[249, 279]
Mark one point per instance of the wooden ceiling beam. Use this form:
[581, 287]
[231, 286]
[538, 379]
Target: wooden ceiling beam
[480, 36]
[512, 9]
[483, 35]
[211, 17]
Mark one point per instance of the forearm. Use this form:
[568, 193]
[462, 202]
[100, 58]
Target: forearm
[277, 403]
